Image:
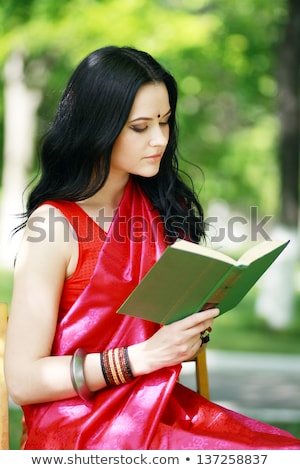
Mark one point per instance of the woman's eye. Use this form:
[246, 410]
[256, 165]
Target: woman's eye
[143, 128]
[138, 128]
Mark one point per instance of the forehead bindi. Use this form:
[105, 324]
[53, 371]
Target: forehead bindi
[151, 101]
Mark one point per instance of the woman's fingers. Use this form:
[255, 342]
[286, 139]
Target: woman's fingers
[203, 319]
[179, 341]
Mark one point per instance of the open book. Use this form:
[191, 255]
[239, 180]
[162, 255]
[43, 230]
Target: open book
[188, 278]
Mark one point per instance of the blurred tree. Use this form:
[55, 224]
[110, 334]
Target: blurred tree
[288, 77]
[276, 298]
[223, 53]
[19, 131]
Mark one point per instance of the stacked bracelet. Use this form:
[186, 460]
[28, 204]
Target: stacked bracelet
[116, 367]
[77, 374]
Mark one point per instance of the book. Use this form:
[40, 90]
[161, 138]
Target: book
[188, 278]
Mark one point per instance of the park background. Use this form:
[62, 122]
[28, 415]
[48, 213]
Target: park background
[237, 65]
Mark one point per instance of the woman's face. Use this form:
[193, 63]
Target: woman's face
[141, 144]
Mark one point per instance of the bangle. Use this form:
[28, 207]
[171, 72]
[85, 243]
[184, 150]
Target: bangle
[127, 363]
[77, 374]
[116, 367]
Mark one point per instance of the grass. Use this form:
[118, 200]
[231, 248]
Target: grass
[238, 330]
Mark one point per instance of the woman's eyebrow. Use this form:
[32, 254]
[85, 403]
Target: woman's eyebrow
[149, 118]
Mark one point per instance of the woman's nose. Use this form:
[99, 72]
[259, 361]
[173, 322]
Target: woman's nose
[160, 136]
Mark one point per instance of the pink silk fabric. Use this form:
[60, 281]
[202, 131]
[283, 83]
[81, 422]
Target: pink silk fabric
[154, 411]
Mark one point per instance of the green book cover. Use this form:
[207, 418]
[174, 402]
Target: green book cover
[189, 277]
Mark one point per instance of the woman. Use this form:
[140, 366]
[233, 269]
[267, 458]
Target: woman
[85, 376]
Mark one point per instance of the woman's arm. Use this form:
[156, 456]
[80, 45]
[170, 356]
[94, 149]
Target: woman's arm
[45, 258]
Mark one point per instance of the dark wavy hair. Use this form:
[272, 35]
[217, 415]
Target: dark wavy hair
[75, 152]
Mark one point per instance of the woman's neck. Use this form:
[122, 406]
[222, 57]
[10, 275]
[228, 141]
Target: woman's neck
[101, 206]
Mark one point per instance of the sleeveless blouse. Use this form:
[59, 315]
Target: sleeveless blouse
[90, 237]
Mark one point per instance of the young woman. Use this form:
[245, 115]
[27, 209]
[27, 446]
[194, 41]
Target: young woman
[108, 202]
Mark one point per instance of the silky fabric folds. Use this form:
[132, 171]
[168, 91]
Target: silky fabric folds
[153, 411]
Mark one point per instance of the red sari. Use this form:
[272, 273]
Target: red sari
[154, 411]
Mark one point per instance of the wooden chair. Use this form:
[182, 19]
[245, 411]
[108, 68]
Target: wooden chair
[202, 374]
[4, 417]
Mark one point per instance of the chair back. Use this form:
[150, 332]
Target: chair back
[4, 416]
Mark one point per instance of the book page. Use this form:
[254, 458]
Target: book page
[258, 251]
[203, 250]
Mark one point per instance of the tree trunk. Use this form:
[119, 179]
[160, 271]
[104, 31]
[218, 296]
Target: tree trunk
[289, 115]
[19, 132]
[276, 296]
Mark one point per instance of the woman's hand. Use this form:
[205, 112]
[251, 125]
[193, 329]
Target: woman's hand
[171, 344]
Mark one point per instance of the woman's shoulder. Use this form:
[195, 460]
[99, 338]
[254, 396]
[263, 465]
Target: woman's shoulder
[48, 207]
[56, 211]
[48, 223]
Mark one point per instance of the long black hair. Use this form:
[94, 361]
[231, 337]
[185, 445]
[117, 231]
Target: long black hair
[75, 152]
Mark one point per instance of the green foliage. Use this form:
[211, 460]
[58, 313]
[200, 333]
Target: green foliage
[222, 53]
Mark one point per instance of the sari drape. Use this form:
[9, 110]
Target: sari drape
[154, 411]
